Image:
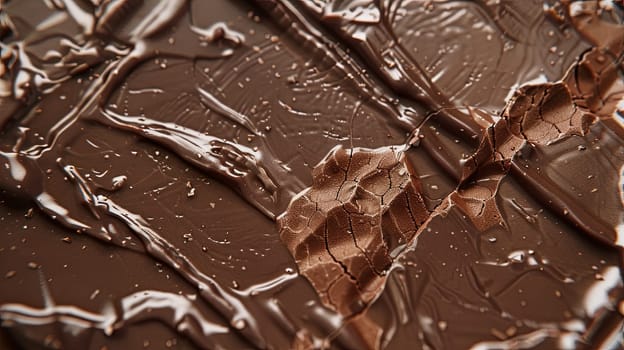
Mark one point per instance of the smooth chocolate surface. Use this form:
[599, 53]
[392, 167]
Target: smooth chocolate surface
[311, 174]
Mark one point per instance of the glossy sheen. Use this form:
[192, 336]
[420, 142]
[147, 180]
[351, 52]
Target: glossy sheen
[311, 174]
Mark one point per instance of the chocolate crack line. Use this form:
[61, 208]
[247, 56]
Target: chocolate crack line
[362, 251]
[351, 231]
[338, 261]
[346, 173]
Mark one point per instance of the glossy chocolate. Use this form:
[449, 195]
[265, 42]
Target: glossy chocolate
[311, 174]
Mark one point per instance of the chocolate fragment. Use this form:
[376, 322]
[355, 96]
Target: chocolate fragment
[544, 113]
[345, 231]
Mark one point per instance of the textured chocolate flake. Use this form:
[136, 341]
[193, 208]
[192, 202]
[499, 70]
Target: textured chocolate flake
[345, 231]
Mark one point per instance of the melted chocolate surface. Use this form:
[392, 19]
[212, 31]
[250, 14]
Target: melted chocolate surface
[311, 174]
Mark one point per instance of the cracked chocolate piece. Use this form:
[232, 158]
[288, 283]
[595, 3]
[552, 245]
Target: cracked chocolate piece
[544, 113]
[595, 83]
[478, 202]
[539, 116]
[345, 231]
[535, 115]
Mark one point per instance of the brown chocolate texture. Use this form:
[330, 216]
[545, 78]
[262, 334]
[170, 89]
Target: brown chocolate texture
[344, 232]
[311, 174]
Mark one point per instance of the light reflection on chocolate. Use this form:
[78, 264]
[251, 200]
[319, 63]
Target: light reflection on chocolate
[303, 174]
